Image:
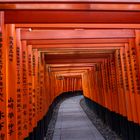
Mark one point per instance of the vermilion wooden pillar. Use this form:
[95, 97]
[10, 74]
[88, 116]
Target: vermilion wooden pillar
[35, 85]
[41, 85]
[135, 74]
[126, 84]
[11, 77]
[47, 85]
[120, 86]
[25, 91]
[3, 93]
[30, 90]
[136, 56]
[131, 84]
[19, 86]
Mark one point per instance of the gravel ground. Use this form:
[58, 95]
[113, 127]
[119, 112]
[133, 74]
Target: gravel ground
[107, 133]
[51, 127]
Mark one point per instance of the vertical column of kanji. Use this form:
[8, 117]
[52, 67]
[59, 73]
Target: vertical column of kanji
[104, 83]
[52, 86]
[126, 83]
[95, 84]
[114, 88]
[57, 80]
[131, 83]
[40, 86]
[109, 84]
[37, 84]
[29, 66]
[3, 97]
[57, 86]
[96, 79]
[114, 85]
[25, 90]
[11, 81]
[120, 86]
[46, 87]
[43, 83]
[19, 84]
[137, 67]
[135, 73]
[101, 84]
[34, 84]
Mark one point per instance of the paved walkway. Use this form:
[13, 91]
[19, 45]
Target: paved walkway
[73, 124]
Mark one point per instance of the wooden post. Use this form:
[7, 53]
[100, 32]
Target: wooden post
[29, 67]
[3, 93]
[25, 91]
[35, 85]
[11, 82]
[19, 86]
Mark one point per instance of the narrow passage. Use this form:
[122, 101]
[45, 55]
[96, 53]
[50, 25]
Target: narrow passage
[73, 124]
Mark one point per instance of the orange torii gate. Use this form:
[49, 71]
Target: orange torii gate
[54, 40]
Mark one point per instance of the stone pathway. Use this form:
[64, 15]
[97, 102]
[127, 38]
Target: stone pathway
[73, 124]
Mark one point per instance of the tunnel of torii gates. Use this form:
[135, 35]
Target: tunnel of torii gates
[48, 48]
